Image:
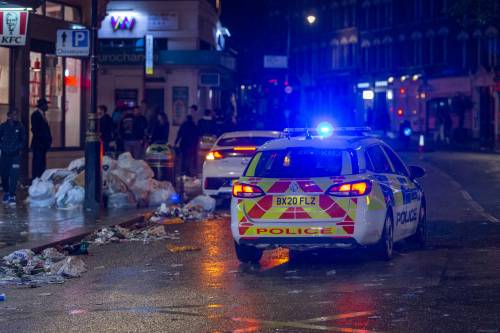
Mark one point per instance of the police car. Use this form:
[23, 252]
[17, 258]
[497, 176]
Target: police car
[338, 189]
[228, 158]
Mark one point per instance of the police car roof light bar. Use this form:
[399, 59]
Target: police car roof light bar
[308, 132]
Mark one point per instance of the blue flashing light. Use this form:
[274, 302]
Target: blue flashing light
[325, 129]
[175, 198]
[407, 131]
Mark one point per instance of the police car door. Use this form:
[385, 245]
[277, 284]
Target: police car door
[407, 198]
[390, 186]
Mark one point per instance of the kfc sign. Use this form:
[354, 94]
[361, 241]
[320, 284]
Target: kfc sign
[13, 27]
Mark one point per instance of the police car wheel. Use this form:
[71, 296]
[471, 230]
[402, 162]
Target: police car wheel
[247, 253]
[420, 236]
[385, 246]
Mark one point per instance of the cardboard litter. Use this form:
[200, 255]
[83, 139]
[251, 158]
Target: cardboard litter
[23, 267]
[183, 248]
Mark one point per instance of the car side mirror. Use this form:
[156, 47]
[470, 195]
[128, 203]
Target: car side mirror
[416, 171]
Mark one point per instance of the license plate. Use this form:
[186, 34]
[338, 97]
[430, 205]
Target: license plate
[295, 201]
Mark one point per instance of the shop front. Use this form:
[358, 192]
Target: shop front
[4, 81]
[30, 70]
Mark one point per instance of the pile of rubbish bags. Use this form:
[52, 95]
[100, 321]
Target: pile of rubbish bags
[126, 183]
[23, 267]
[200, 208]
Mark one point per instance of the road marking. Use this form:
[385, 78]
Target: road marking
[340, 316]
[476, 205]
[307, 323]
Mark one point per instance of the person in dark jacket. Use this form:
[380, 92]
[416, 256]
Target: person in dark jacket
[12, 141]
[42, 139]
[133, 133]
[106, 127]
[187, 139]
[206, 125]
[160, 129]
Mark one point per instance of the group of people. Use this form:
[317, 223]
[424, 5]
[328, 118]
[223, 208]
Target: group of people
[126, 129]
[132, 129]
[13, 139]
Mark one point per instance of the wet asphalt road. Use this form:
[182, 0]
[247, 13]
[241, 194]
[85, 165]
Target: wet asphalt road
[453, 285]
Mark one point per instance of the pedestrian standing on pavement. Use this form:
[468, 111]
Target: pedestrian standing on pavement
[160, 129]
[206, 125]
[133, 133]
[12, 141]
[193, 110]
[117, 117]
[42, 139]
[187, 139]
[106, 127]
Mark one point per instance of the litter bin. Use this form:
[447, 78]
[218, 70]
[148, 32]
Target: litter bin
[161, 158]
[206, 143]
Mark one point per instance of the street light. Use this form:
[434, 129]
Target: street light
[311, 19]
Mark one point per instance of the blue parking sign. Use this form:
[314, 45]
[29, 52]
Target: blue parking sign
[73, 43]
[80, 38]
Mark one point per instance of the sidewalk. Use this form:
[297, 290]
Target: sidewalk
[432, 146]
[27, 227]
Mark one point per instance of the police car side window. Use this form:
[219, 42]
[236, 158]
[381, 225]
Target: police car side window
[398, 165]
[379, 162]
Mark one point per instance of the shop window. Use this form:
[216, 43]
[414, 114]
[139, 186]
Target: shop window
[35, 77]
[72, 82]
[53, 94]
[72, 14]
[4, 82]
[54, 10]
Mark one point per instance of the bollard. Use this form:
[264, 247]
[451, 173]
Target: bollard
[421, 143]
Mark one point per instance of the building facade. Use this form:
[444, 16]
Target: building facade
[378, 62]
[187, 62]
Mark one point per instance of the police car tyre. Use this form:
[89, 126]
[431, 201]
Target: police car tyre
[247, 253]
[420, 236]
[385, 246]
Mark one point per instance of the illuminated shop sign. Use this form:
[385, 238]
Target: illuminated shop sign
[121, 23]
[13, 27]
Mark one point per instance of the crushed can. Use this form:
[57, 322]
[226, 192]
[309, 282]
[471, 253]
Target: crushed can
[161, 159]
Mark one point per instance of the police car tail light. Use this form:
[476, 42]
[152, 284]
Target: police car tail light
[214, 155]
[353, 189]
[246, 191]
[247, 148]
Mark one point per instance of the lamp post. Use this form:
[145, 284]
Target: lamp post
[92, 142]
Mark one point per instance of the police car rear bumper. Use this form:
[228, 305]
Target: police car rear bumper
[300, 243]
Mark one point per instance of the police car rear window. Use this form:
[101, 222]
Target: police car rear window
[301, 163]
[243, 141]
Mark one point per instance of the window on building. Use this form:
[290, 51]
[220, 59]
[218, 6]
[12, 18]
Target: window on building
[54, 93]
[4, 81]
[72, 14]
[367, 18]
[73, 86]
[54, 10]
[365, 55]
[492, 51]
[440, 49]
[35, 78]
